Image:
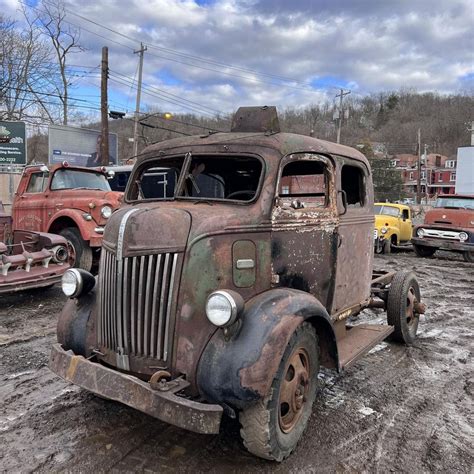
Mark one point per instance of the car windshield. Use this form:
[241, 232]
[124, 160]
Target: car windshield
[198, 177]
[455, 202]
[77, 179]
[386, 210]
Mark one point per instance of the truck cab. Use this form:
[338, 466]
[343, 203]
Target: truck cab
[224, 291]
[71, 201]
[449, 226]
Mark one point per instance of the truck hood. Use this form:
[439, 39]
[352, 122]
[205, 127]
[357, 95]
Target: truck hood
[385, 221]
[168, 227]
[445, 217]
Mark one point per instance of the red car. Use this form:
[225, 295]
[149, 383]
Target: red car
[72, 201]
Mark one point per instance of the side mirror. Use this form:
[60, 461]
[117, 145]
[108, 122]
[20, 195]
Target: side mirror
[344, 201]
[110, 174]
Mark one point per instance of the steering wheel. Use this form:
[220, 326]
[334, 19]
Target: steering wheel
[249, 192]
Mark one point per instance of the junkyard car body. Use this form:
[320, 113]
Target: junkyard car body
[449, 226]
[393, 225]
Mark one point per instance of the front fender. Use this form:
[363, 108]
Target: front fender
[86, 228]
[76, 325]
[241, 370]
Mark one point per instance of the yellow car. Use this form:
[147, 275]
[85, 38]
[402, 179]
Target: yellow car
[393, 226]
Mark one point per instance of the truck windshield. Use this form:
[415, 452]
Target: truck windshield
[198, 177]
[455, 202]
[386, 210]
[76, 179]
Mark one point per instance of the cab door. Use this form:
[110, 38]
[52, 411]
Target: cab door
[30, 211]
[355, 235]
[405, 225]
[303, 224]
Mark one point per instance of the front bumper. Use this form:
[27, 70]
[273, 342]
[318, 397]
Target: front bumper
[129, 390]
[443, 244]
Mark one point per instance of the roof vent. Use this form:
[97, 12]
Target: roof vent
[256, 119]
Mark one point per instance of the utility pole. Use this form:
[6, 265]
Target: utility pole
[472, 133]
[418, 178]
[139, 91]
[341, 114]
[104, 143]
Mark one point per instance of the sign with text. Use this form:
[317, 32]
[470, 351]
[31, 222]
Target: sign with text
[12, 143]
[79, 146]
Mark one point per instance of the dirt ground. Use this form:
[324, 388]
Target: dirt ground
[400, 409]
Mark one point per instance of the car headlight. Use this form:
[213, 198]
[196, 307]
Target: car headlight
[463, 236]
[76, 282]
[383, 230]
[420, 232]
[223, 307]
[106, 212]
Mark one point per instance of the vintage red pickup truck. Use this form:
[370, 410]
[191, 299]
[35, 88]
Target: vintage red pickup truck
[71, 201]
[449, 226]
[29, 259]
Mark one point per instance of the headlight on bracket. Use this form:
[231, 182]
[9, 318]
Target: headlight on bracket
[106, 212]
[76, 282]
[223, 307]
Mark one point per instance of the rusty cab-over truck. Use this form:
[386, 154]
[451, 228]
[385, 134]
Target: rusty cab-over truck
[72, 201]
[227, 291]
[449, 226]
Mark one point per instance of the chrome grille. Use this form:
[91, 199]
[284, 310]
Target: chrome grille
[136, 304]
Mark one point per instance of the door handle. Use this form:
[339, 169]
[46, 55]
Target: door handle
[339, 240]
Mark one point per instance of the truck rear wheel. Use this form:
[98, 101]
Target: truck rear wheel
[82, 251]
[403, 295]
[422, 251]
[272, 427]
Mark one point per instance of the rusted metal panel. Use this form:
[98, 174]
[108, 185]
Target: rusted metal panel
[131, 391]
[244, 261]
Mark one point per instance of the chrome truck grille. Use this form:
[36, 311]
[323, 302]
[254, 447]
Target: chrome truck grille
[137, 304]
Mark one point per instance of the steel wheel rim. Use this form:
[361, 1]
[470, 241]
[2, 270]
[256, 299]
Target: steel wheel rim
[294, 390]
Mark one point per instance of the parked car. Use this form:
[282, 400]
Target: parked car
[393, 226]
[449, 226]
[29, 259]
[226, 294]
[71, 201]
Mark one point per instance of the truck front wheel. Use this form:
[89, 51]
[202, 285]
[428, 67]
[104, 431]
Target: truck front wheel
[272, 427]
[403, 296]
[82, 251]
[423, 251]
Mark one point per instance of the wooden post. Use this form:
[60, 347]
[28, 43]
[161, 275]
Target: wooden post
[104, 144]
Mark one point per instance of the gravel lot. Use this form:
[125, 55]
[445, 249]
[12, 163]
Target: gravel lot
[406, 409]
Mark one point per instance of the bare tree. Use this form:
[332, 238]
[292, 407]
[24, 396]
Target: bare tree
[65, 41]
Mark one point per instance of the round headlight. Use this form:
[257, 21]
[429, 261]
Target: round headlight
[383, 230]
[71, 282]
[223, 307]
[463, 236]
[420, 232]
[106, 212]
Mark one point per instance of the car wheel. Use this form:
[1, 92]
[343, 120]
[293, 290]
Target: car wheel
[422, 251]
[82, 251]
[403, 296]
[468, 256]
[272, 427]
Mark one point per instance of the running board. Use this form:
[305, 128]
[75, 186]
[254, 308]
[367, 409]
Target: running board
[358, 341]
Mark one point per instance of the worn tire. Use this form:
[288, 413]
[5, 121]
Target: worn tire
[262, 423]
[82, 251]
[468, 256]
[422, 251]
[387, 246]
[403, 292]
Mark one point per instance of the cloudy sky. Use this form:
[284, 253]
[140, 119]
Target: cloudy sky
[208, 56]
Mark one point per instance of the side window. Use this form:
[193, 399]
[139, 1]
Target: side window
[305, 180]
[353, 184]
[405, 214]
[37, 183]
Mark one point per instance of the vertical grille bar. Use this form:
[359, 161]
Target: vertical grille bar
[148, 304]
[168, 306]
[133, 307]
[140, 306]
[162, 305]
[156, 288]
